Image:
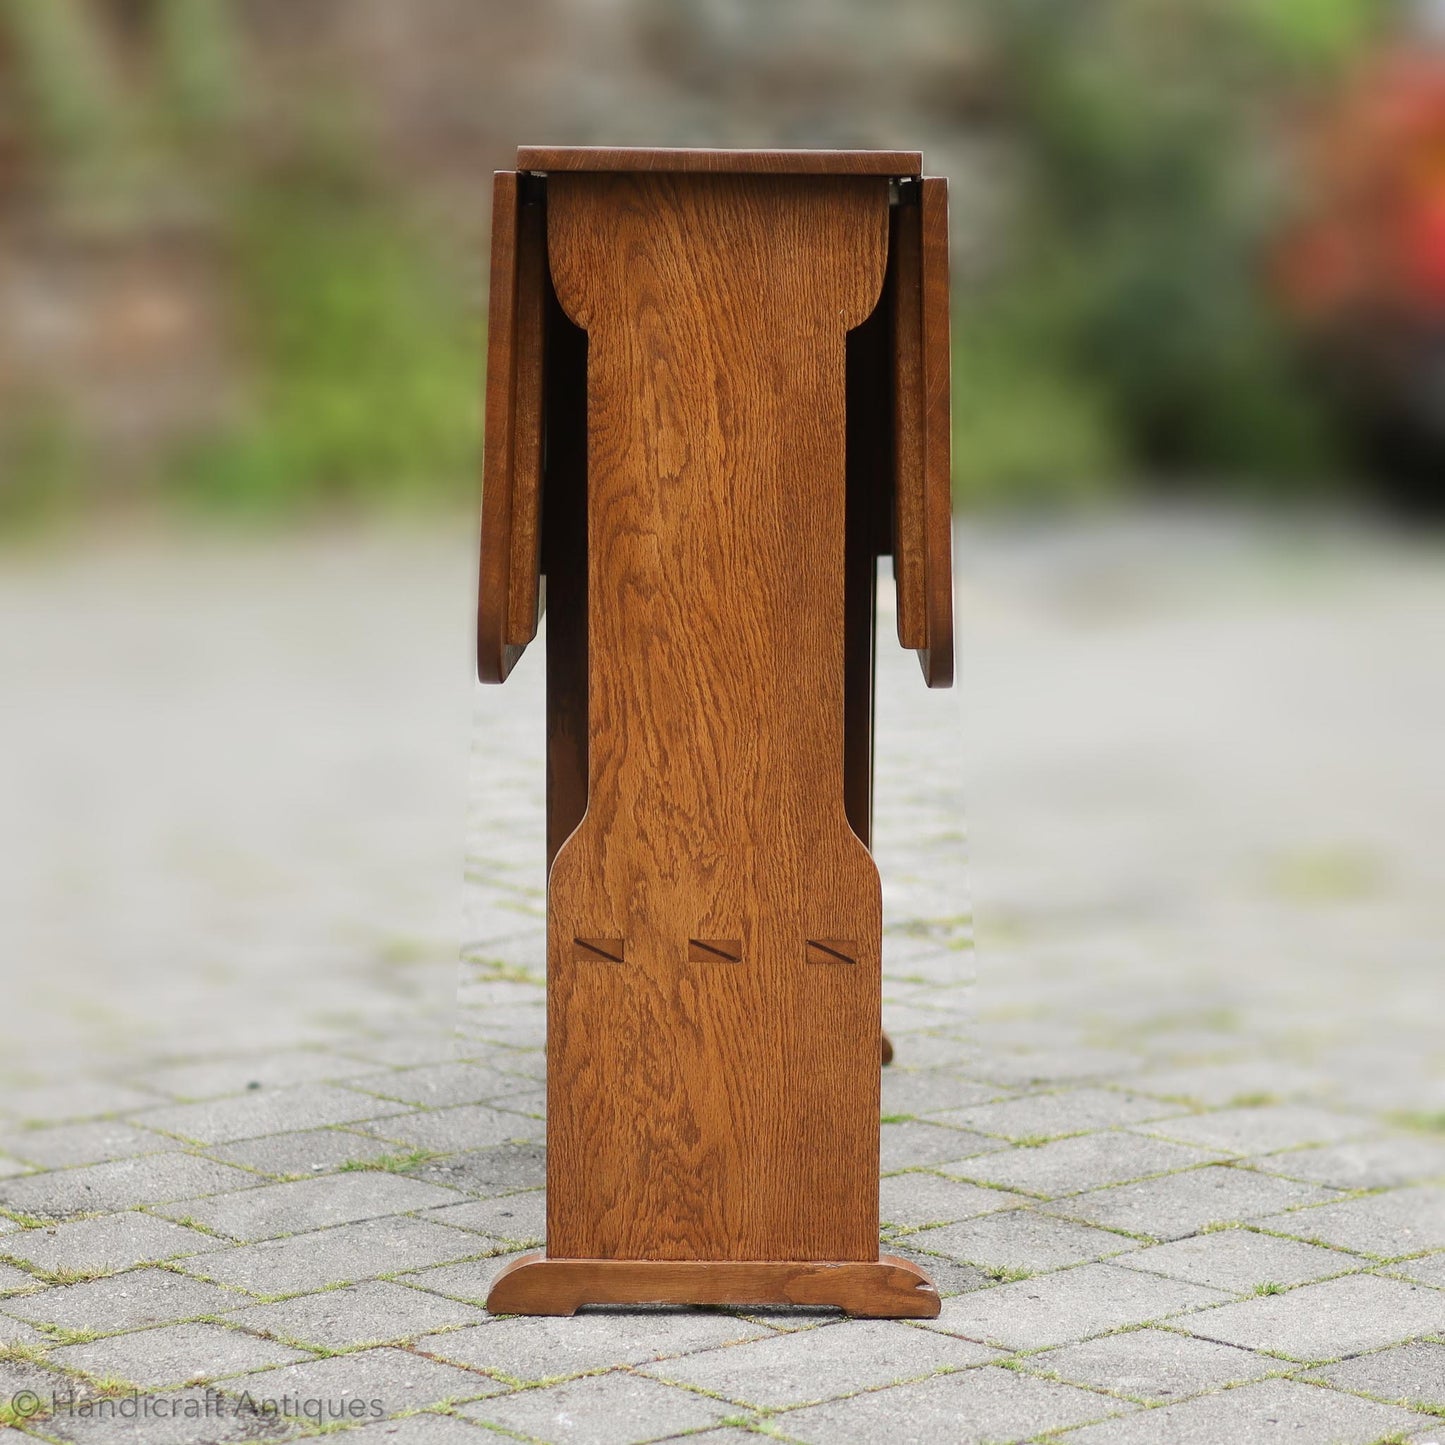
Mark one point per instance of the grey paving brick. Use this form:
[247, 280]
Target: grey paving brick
[503, 993]
[424, 1430]
[1240, 1259]
[343, 1255]
[1263, 1129]
[502, 1169]
[276, 1209]
[1363, 1163]
[521, 1218]
[77, 1099]
[916, 1199]
[102, 1188]
[1021, 1239]
[615, 1409]
[937, 1051]
[1326, 1320]
[785, 1318]
[1178, 1204]
[727, 1435]
[116, 1241]
[903, 1018]
[437, 1086]
[173, 1355]
[469, 1281]
[1038, 1029]
[527, 1063]
[310, 1151]
[1152, 1365]
[913, 945]
[12, 1279]
[1405, 1221]
[931, 1091]
[17, 1332]
[1412, 1375]
[96, 1142]
[1267, 1412]
[1068, 1305]
[985, 1406]
[468, 1126]
[1220, 1085]
[914, 1143]
[375, 1313]
[267, 1111]
[532, 1103]
[10, 1167]
[956, 996]
[397, 1380]
[18, 1375]
[401, 1048]
[268, 1069]
[1069, 1111]
[1086, 1161]
[525, 1349]
[1041, 1067]
[819, 1364]
[518, 1024]
[1428, 1269]
[127, 1301]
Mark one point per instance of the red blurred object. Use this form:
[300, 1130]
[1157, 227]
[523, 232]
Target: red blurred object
[1373, 237]
[1362, 270]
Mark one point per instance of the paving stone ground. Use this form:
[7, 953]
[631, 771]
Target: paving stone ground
[1167, 1118]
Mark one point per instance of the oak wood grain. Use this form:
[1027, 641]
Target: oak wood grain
[937, 431]
[922, 402]
[690, 160]
[495, 656]
[730, 1112]
[884, 1288]
[909, 441]
[508, 591]
[524, 598]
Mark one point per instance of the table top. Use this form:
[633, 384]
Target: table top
[769, 162]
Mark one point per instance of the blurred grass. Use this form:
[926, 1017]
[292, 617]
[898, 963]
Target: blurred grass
[365, 359]
[356, 338]
[1128, 332]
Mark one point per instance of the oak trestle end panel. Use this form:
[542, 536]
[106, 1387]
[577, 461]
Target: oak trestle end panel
[719, 1110]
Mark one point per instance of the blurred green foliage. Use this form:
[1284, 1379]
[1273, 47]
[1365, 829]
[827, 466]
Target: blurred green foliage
[44, 468]
[60, 68]
[365, 360]
[198, 61]
[359, 373]
[1129, 329]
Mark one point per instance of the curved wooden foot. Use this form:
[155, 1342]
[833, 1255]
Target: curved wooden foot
[888, 1288]
[887, 1051]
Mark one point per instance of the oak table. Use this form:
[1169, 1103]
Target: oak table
[717, 393]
